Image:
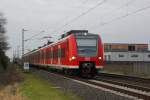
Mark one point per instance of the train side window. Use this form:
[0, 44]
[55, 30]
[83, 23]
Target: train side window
[38, 56]
[63, 52]
[52, 54]
[46, 55]
[148, 56]
[59, 53]
[42, 55]
[55, 54]
[49, 54]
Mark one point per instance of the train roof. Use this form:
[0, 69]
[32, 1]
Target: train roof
[63, 36]
[77, 31]
[42, 47]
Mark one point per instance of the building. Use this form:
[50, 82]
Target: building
[125, 47]
[126, 52]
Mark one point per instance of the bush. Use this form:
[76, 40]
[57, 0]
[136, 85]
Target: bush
[10, 76]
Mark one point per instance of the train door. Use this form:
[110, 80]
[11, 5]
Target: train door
[59, 54]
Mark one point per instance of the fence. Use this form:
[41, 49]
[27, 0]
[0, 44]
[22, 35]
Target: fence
[128, 68]
[141, 68]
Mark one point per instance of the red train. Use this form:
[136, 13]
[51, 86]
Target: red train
[77, 52]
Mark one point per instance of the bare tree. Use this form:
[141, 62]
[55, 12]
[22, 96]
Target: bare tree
[3, 43]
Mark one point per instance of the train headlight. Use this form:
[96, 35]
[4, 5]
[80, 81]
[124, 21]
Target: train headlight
[99, 58]
[85, 34]
[73, 58]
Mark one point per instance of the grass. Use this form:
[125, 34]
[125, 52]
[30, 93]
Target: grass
[35, 88]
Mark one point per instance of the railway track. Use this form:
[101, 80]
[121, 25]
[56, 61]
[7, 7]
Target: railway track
[141, 94]
[138, 87]
[127, 81]
[141, 85]
[127, 89]
[132, 78]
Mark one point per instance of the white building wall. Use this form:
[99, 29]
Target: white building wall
[146, 56]
[138, 58]
[127, 56]
[115, 56]
[107, 56]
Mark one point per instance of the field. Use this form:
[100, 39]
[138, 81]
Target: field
[32, 87]
[35, 88]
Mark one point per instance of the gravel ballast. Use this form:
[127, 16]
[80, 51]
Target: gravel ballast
[83, 90]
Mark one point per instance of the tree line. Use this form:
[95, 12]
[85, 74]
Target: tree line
[3, 43]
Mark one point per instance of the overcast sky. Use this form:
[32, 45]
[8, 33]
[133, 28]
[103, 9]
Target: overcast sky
[51, 15]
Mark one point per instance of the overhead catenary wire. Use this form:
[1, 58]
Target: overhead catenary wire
[120, 7]
[71, 20]
[85, 1]
[94, 7]
[33, 36]
[89, 10]
[123, 16]
[82, 14]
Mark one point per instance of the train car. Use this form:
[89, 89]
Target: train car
[77, 52]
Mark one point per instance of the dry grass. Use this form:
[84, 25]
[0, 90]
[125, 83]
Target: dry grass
[10, 76]
[11, 92]
[9, 84]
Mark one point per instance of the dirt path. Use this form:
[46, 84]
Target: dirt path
[11, 92]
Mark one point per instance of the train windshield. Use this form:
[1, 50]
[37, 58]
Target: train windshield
[87, 46]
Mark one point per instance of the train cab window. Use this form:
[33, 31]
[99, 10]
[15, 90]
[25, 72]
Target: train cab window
[87, 46]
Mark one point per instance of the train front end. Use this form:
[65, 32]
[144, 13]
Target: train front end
[87, 53]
